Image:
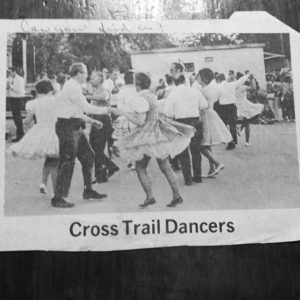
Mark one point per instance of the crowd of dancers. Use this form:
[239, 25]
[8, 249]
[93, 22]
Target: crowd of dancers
[175, 123]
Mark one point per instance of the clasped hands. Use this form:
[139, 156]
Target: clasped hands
[116, 111]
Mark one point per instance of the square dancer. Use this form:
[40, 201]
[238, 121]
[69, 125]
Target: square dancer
[184, 105]
[72, 140]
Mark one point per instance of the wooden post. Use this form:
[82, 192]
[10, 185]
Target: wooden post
[24, 53]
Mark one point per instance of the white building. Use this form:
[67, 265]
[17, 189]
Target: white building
[218, 58]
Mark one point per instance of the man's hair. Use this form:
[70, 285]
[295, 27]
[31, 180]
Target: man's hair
[230, 72]
[142, 80]
[13, 69]
[128, 77]
[206, 75]
[169, 79]
[179, 80]
[76, 68]
[44, 86]
[178, 66]
[221, 77]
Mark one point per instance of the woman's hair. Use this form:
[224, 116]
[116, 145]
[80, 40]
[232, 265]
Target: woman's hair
[76, 68]
[44, 86]
[206, 75]
[239, 75]
[169, 79]
[221, 77]
[128, 77]
[179, 80]
[142, 80]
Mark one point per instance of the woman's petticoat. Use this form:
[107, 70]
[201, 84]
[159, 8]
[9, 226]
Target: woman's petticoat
[39, 142]
[159, 138]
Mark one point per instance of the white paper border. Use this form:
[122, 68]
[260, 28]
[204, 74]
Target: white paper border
[52, 232]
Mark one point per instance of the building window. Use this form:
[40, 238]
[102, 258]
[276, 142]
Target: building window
[189, 67]
[209, 59]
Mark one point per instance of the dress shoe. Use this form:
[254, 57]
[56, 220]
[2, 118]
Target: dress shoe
[217, 170]
[61, 202]
[91, 194]
[15, 140]
[100, 179]
[188, 183]
[148, 202]
[197, 179]
[230, 146]
[175, 202]
[112, 171]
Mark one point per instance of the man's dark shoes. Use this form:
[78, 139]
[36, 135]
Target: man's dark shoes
[148, 202]
[230, 146]
[91, 194]
[112, 171]
[188, 183]
[197, 179]
[16, 139]
[61, 202]
[100, 179]
[175, 202]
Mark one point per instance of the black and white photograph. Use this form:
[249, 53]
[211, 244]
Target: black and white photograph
[101, 123]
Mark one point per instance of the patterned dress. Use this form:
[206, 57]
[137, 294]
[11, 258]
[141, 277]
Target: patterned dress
[158, 137]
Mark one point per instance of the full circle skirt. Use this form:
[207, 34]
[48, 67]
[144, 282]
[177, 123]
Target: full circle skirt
[39, 142]
[215, 131]
[159, 138]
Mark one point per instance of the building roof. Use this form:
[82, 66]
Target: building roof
[202, 48]
[269, 55]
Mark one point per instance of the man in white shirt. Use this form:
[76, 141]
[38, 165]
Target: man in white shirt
[104, 167]
[184, 104]
[176, 70]
[227, 109]
[111, 84]
[16, 97]
[72, 140]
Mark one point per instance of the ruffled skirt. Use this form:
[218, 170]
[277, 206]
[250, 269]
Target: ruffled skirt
[39, 142]
[215, 131]
[159, 139]
[248, 110]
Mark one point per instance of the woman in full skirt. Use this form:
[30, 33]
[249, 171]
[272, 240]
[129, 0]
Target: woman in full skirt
[153, 137]
[246, 109]
[41, 140]
[214, 130]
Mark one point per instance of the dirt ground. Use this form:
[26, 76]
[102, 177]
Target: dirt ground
[264, 175]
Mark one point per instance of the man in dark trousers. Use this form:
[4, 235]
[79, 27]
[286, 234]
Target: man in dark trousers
[184, 105]
[104, 166]
[227, 109]
[72, 140]
[176, 70]
[16, 94]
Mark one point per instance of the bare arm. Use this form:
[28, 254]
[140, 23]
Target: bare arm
[29, 118]
[242, 80]
[136, 118]
[80, 100]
